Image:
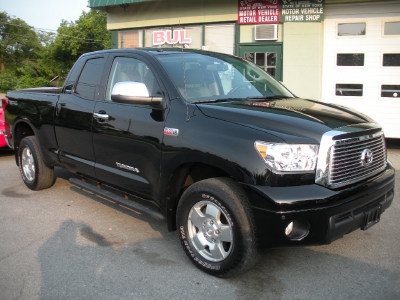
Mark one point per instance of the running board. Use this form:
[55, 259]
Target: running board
[113, 197]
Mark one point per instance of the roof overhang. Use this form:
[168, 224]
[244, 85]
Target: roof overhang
[104, 3]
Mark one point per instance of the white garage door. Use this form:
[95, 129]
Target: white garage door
[361, 67]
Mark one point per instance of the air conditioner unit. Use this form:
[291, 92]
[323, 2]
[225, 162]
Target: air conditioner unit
[267, 32]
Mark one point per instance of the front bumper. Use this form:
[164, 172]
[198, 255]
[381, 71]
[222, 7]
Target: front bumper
[328, 214]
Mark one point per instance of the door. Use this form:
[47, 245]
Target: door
[74, 116]
[127, 137]
[361, 61]
[267, 57]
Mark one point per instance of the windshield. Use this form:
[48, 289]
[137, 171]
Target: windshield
[208, 76]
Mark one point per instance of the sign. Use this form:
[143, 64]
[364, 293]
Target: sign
[279, 11]
[258, 12]
[160, 37]
[302, 10]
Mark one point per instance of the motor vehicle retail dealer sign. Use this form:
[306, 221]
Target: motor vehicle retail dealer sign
[258, 12]
[277, 11]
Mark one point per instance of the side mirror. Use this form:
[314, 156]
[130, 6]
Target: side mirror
[130, 92]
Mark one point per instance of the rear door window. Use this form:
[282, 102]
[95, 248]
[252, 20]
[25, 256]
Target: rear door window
[90, 78]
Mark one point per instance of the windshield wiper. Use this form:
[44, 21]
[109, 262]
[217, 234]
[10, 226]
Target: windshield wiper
[216, 100]
[267, 97]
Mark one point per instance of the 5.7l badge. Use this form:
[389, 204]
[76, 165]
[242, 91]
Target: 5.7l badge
[171, 131]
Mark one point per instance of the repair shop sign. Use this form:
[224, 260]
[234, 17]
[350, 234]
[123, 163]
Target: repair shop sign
[280, 11]
[258, 12]
[302, 10]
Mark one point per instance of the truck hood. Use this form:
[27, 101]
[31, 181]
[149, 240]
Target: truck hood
[291, 119]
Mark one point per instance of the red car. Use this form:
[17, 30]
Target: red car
[3, 142]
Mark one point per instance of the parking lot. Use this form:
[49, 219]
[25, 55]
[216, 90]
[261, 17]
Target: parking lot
[62, 243]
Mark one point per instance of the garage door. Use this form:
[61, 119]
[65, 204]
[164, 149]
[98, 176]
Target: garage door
[361, 67]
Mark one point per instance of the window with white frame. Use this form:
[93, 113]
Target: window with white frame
[391, 28]
[350, 59]
[351, 29]
[391, 60]
[390, 90]
[349, 89]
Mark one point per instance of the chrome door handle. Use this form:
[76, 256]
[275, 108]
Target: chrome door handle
[101, 116]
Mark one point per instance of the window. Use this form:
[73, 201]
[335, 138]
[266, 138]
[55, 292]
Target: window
[346, 89]
[130, 39]
[351, 29]
[390, 91]
[392, 28]
[391, 60]
[350, 59]
[214, 76]
[90, 78]
[220, 38]
[131, 69]
[264, 60]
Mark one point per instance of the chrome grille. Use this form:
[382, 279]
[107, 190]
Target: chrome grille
[343, 161]
[346, 160]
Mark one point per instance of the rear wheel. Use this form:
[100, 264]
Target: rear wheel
[217, 228]
[34, 172]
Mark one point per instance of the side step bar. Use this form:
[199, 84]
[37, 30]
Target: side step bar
[113, 197]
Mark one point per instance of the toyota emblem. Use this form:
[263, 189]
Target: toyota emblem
[366, 157]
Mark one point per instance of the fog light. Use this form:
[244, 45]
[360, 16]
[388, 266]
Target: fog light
[297, 229]
[289, 228]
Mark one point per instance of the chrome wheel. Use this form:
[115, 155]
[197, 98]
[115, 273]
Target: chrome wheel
[210, 232]
[28, 164]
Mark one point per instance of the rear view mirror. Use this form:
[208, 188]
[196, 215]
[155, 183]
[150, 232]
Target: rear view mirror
[217, 67]
[131, 92]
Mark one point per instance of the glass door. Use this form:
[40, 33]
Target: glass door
[268, 58]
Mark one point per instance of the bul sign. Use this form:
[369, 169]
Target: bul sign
[160, 37]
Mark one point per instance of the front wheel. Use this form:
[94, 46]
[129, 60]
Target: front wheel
[217, 228]
[34, 172]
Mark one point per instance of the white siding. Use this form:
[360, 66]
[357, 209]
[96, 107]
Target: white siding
[386, 111]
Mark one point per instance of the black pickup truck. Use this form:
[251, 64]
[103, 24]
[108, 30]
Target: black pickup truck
[211, 144]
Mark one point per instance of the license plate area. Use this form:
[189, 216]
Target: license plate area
[371, 217]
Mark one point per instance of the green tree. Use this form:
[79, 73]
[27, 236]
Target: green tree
[18, 42]
[30, 57]
[88, 33]
[20, 48]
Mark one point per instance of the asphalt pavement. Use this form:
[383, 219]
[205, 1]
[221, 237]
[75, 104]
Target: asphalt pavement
[62, 243]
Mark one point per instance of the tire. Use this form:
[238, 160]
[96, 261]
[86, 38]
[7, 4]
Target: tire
[36, 175]
[216, 227]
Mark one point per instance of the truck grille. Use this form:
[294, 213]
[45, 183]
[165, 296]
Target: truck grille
[349, 160]
[353, 160]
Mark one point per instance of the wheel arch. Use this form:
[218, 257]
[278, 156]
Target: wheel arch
[183, 177]
[21, 129]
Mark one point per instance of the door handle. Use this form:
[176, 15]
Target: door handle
[101, 115]
[58, 109]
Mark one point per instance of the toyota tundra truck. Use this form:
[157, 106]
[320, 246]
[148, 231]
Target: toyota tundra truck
[223, 153]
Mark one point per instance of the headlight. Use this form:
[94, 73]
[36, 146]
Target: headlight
[288, 157]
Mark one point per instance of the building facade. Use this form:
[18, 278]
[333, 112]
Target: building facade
[339, 51]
